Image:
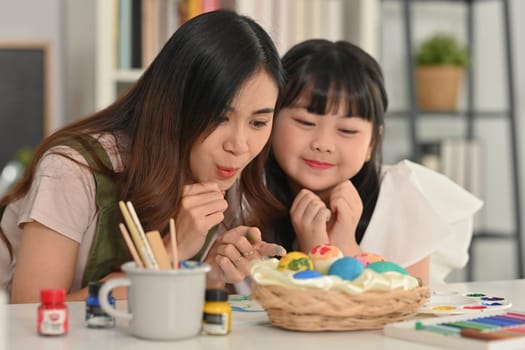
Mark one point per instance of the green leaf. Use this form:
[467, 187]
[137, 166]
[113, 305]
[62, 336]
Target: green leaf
[441, 49]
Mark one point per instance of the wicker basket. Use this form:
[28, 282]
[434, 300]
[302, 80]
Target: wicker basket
[321, 310]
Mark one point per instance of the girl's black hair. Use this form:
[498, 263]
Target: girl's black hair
[331, 74]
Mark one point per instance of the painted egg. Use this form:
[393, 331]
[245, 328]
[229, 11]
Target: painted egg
[347, 268]
[307, 274]
[386, 266]
[323, 256]
[295, 261]
[368, 258]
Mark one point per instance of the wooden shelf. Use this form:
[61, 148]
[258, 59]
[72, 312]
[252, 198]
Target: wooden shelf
[470, 116]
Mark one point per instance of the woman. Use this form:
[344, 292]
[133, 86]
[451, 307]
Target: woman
[196, 123]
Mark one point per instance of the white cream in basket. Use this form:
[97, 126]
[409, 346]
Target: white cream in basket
[265, 273]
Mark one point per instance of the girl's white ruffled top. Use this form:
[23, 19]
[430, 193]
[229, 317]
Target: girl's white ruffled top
[420, 212]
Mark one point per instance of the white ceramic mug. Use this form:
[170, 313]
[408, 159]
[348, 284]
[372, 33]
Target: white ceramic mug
[163, 304]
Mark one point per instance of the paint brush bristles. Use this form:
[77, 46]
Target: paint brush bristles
[173, 238]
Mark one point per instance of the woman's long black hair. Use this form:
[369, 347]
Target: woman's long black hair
[331, 73]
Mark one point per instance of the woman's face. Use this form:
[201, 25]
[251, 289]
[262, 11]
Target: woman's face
[245, 129]
[318, 152]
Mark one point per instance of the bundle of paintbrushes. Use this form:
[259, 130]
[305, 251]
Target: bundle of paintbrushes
[146, 248]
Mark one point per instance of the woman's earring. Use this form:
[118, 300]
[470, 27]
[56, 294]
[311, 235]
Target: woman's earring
[368, 157]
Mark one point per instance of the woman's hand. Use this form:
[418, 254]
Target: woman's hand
[309, 216]
[202, 207]
[346, 208]
[231, 253]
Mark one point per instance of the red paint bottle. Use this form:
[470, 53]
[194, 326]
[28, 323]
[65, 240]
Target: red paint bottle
[53, 314]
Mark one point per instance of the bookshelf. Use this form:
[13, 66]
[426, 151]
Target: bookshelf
[106, 55]
[469, 116]
[287, 21]
[110, 78]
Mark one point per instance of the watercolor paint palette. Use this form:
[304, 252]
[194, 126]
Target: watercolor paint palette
[490, 330]
[450, 303]
[246, 311]
[243, 303]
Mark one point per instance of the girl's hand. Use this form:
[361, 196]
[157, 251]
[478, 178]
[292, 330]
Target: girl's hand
[231, 253]
[202, 207]
[346, 207]
[309, 216]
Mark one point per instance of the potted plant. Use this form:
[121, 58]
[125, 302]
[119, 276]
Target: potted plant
[440, 69]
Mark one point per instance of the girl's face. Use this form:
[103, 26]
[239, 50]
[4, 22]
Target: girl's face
[222, 155]
[318, 152]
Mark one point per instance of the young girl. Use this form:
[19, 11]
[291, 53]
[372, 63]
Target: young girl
[196, 123]
[325, 168]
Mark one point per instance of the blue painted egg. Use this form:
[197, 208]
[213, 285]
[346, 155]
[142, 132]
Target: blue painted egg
[347, 268]
[386, 266]
[307, 274]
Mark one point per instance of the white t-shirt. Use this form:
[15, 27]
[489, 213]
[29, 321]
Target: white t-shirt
[421, 213]
[62, 197]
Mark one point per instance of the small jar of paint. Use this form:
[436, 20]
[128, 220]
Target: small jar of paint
[217, 313]
[95, 316]
[53, 314]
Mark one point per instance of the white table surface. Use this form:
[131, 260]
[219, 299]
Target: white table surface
[249, 330]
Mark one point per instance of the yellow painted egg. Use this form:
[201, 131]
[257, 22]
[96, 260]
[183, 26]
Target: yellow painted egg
[295, 261]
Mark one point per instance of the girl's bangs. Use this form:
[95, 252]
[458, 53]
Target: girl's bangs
[325, 95]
